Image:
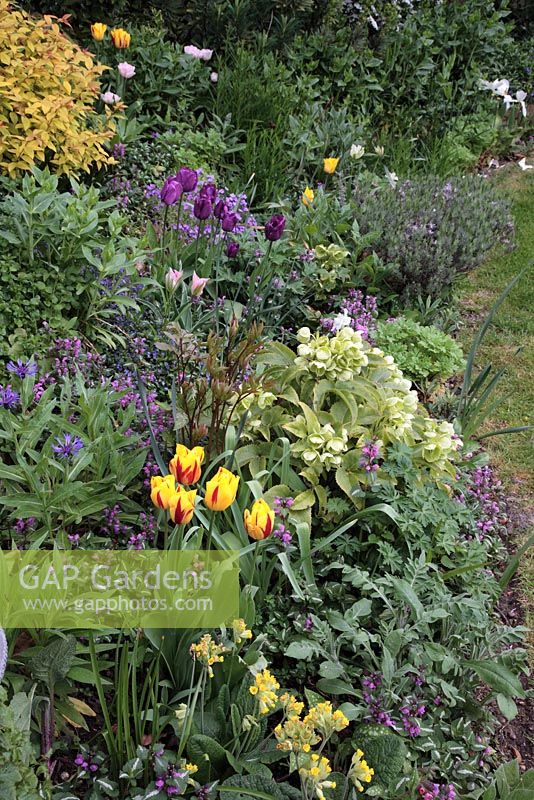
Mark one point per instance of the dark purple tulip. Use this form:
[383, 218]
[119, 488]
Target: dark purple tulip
[171, 191]
[228, 223]
[274, 227]
[221, 209]
[232, 250]
[209, 190]
[188, 178]
[202, 208]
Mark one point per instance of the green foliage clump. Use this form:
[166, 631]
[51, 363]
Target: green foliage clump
[433, 231]
[18, 777]
[423, 353]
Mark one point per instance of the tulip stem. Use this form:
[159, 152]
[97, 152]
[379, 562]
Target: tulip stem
[210, 530]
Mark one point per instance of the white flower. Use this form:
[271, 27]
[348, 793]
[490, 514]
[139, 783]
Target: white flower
[214, 77]
[392, 178]
[110, 98]
[508, 100]
[195, 52]
[340, 321]
[357, 151]
[520, 97]
[523, 164]
[379, 150]
[500, 87]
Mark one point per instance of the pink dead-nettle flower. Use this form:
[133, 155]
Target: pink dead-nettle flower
[126, 70]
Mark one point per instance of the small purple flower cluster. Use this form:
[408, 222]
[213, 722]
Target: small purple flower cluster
[23, 526]
[358, 312]
[433, 791]
[165, 783]
[138, 541]
[9, 398]
[410, 712]
[488, 493]
[86, 763]
[281, 506]
[69, 356]
[374, 698]
[112, 525]
[370, 456]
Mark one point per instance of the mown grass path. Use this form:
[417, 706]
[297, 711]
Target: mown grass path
[512, 330]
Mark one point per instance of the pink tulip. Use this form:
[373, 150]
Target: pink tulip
[126, 70]
[110, 98]
[173, 278]
[197, 285]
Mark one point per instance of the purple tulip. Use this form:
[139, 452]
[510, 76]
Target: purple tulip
[232, 250]
[228, 223]
[221, 209]
[209, 191]
[188, 178]
[171, 191]
[202, 208]
[274, 227]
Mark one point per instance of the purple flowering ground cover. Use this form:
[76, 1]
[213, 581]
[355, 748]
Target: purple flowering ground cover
[242, 328]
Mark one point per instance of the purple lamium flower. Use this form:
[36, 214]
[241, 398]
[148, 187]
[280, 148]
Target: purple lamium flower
[228, 222]
[188, 178]
[202, 208]
[171, 191]
[274, 227]
[21, 369]
[68, 447]
[8, 397]
[232, 250]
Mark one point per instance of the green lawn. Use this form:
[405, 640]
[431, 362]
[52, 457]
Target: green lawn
[513, 328]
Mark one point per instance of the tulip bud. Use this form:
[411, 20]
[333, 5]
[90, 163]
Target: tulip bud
[188, 178]
[330, 164]
[182, 506]
[209, 190]
[98, 31]
[221, 490]
[228, 222]
[308, 196]
[259, 521]
[202, 208]
[161, 490]
[232, 250]
[126, 70]
[120, 38]
[186, 464]
[172, 279]
[274, 227]
[220, 210]
[171, 191]
[197, 285]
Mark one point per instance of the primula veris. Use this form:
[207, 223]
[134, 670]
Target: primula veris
[98, 31]
[120, 38]
[186, 464]
[221, 490]
[330, 165]
[162, 488]
[259, 521]
[182, 505]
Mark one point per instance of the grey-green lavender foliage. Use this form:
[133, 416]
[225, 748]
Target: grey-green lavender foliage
[433, 230]
[3, 653]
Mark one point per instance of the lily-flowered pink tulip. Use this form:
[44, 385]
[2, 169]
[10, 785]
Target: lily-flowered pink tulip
[110, 98]
[173, 278]
[197, 285]
[126, 70]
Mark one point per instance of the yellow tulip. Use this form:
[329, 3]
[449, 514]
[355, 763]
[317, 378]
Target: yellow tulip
[121, 38]
[161, 490]
[330, 165]
[186, 464]
[308, 196]
[182, 505]
[259, 521]
[98, 31]
[221, 490]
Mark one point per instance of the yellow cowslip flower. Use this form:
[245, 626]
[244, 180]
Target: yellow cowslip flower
[291, 705]
[359, 771]
[121, 38]
[192, 768]
[98, 31]
[221, 490]
[208, 652]
[296, 735]
[182, 505]
[264, 689]
[308, 196]
[325, 720]
[316, 773]
[186, 464]
[240, 631]
[259, 522]
[330, 164]
[162, 490]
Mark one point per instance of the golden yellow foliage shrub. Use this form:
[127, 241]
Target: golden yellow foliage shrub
[48, 86]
